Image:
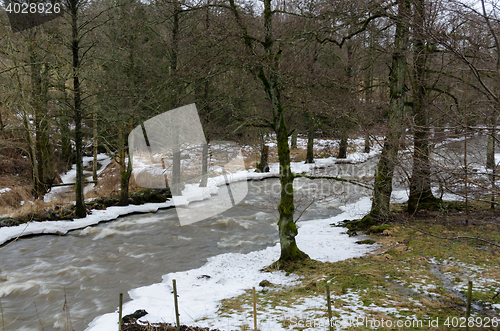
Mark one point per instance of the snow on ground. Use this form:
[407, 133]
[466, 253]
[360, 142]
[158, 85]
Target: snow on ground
[357, 156]
[7, 189]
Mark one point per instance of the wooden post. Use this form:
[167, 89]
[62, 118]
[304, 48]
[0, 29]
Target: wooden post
[329, 308]
[469, 300]
[254, 309]
[176, 305]
[120, 305]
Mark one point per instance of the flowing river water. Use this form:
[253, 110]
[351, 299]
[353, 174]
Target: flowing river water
[46, 281]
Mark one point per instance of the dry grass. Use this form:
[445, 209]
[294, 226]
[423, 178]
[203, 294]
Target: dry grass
[108, 182]
[10, 202]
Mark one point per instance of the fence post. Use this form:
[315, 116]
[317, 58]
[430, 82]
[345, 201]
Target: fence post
[254, 309]
[329, 308]
[176, 305]
[469, 301]
[120, 305]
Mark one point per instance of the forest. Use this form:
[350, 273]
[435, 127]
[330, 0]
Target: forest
[404, 77]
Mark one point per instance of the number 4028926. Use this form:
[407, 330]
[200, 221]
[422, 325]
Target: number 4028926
[33, 8]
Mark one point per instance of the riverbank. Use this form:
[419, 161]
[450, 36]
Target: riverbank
[413, 278]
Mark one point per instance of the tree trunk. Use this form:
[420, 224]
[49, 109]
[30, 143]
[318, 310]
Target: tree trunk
[39, 183]
[420, 181]
[385, 170]
[490, 153]
[176, 188]
[40, 123]
[368, 82]
[367, 143]
[79, 196]
[204, 166]
[310, 141]
[342, 148]
[286, 225]
[264, 157]
[125, 173]
[294, 140]
[125, 170]
[94, 163]
[344, 121]
[31, 150]
[66, 149]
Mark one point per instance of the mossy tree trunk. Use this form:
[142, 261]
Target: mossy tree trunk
[420, 181]
[385, 170]
[286, 225]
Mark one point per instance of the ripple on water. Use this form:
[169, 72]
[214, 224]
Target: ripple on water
[14, 285]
